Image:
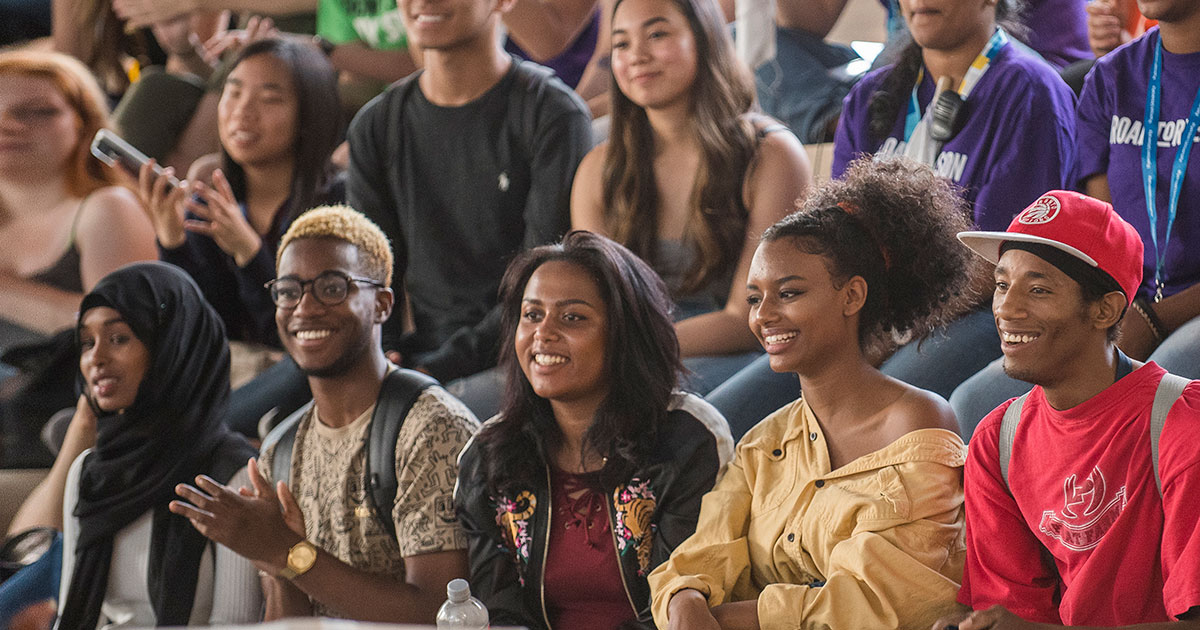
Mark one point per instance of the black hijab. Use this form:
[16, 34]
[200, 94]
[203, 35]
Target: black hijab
[172, 432]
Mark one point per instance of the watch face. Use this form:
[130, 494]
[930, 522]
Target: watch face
[302, 557]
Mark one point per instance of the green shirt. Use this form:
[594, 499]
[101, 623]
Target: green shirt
[376, 23]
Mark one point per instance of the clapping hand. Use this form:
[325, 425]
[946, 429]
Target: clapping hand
[220, 218]
[258, 523]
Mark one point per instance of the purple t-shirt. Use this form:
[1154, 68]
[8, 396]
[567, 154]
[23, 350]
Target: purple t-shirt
[569, 64]
[1016, 142]
[1058, 30]
[1110, 114]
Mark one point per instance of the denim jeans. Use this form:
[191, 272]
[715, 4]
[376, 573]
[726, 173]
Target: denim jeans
[798, 87]
[963, 347]
[949, 355]
[32, 584]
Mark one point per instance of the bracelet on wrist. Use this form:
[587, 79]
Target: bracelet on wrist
[1146, 310]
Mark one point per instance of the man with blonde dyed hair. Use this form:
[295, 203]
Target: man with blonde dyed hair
[318, 536]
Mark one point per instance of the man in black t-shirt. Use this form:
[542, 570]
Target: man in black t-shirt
[463, 165]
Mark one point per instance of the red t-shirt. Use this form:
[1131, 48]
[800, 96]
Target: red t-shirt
[584, 587]
[1087, 540]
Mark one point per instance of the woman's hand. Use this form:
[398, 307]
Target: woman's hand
[688, 610]
[231, 41]
[81, 432]
[221, 219]
[163, 204]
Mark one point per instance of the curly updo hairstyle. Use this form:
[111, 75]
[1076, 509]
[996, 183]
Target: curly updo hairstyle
[641, 357]
[894, 223]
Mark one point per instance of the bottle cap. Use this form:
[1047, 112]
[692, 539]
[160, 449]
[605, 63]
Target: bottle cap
[458, 590]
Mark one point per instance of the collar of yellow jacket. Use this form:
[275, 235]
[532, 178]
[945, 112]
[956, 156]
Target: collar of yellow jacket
[797, 422]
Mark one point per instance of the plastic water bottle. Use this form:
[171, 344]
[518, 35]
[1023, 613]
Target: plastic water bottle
[461, 611]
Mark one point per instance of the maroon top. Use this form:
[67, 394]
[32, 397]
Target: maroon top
[584, 588]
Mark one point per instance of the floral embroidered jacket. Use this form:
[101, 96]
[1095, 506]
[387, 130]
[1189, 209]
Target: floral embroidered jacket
[650, 514]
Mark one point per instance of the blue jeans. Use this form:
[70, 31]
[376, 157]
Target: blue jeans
[752, 394]
[482, 393]
[35, 583]
[949, 355]
[939, 364]
[1178, 354]
[799, 86]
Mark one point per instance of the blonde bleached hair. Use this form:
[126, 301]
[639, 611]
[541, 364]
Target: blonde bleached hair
[345, 224]
[83, 95]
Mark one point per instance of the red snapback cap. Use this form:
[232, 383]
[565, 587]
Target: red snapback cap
[1082, 226]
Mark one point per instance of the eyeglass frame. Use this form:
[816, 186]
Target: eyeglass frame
[305, 284]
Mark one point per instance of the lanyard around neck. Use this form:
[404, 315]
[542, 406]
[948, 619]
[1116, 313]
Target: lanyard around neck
[1150, 164]
[978, 67]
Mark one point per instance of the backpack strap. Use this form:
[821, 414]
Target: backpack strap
[1170, 389]
[399, 392]
[283, 436]
[1008, 433]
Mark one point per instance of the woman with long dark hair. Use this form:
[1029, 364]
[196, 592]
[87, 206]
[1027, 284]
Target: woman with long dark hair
[690, 175]
[843, 509]
[594, 468]
[278, 122]
[154, 369]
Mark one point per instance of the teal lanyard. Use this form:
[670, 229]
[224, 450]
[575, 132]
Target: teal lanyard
[1150, 164]
[993, 47]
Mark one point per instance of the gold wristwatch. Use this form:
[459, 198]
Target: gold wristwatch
[300, 559]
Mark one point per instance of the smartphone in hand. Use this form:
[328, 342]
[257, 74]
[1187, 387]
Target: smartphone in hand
[113, 150]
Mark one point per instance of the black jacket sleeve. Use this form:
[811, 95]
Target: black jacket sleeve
[495, 579]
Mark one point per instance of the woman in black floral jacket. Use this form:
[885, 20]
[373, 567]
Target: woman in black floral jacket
[594, 468]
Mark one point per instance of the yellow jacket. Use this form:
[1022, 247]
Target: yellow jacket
[876, 544]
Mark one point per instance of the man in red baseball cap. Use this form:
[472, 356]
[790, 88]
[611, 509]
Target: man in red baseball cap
[1083, 496]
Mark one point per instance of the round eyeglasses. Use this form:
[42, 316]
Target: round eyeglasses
[330, 288]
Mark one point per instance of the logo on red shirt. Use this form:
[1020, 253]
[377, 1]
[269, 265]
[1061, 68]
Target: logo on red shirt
[1087, 512]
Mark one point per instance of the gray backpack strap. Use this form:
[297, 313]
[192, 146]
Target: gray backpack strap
[283, 436]
[1170, 388]
[1008, 433]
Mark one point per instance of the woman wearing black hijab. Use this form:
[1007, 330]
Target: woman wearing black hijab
[154, 366]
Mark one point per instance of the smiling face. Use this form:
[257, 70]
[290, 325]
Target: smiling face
[562, 335]
[796, 312]
[258, 111]
[653, 53]
[449, 24]
[1043, 320]
[328, 341]
[948, 24]
[38, 128]
[112, 359]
